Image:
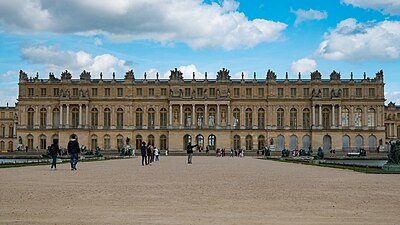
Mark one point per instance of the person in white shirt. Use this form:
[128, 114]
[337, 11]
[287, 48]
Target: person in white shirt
[156, 153]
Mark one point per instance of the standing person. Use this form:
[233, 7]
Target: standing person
[74, 150]
[143, 152]
[149, 153]
[54, 151]
[189, 150]
[156, 153]
[207, 149]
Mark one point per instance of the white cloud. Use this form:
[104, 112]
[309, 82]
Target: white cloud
[9, 94]
[187, 72]
[304, 15]
[9, 75]
[393, 96]
[194, 22]
[56, 60]
[354, 41]
[304, 65]
[389, 7]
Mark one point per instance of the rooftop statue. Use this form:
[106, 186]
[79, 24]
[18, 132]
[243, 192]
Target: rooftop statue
[66, 75]
[316, 75]
[271, 75]
[85, 75]
[23, 75]
[176, 75]
[223, 74]
[335, 75]
[129, 75]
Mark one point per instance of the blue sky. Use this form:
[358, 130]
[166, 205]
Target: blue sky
[199, 36]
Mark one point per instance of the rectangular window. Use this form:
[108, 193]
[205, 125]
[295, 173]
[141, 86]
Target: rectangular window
[107, 92]
[306, 92]
[31, 92]
[261, 92]
[3, 114]
[212, 92]
[345, 92]
[56, 91]
[248, 92]
[325, 92]
[151, 92]
[371, 92]
[139, 91]
[358, 92]
[75, 92]
[236, 92]
[200, 92]
[187, 92]
[280, 92]
[163, 92]
[293, 92]
[120, 92]
[94, 91]
[43, 92]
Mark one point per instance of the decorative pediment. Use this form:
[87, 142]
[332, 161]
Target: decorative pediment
[271, 75]
[316, 75]
[66, 75]
[85, 75]
[223, 74]
[176, 75]
[335, 75]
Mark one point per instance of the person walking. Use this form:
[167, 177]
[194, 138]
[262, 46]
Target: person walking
[54, 151]
[143, 151]
[156, 153]
[73, 150]
[189, 150]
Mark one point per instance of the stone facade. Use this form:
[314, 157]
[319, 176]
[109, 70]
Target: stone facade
[392, 122]
[227, 113]
[8, 126]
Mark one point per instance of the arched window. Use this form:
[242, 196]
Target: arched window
[359, 142]
[94, 118]
[187, 117]
[200, 141]
[2, 146]
[42, 144]
[211, 117]
[346, 143]
[306, 118]
[236, 118]
[306, 142]
[151, 115]
[3, 131]
[10, 145]
[120, 118]
[249, 142]
[261, 119]
[75, 117]
[371, 118]
[138, 141]
[358, 118]
[11, 131]
[281, 142]
[30, 118]
[139, 118]
[150, 139]
[326, 143]
[212, 142]
[120, 142]
[248, 118]
[43, 118]
[280, 118]
[372, 143]
[107, 118]
[163, 118]
[94, 142]
[56, 118]
[326, 118]
[293, 142]
[200, 115]
[186, 139]
[261, 142]
[293, 118]
[163, 142]
[30, 141]
[345, 118]
[236, 142]
[107, 142]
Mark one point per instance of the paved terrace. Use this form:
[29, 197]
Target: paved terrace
[210, 191]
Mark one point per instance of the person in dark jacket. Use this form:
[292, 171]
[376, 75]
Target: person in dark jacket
[189, 150]
[54, 151]
[143, 151]
[74, 150]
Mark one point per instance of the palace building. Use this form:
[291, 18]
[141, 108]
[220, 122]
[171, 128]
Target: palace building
[334, 113]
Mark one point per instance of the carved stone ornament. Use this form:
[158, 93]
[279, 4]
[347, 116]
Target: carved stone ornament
[129, 75]
[223, 74]
[66, 75]
[271, 75]
[316, 75]
[335, 75]
[23, 75]
[176, 75]
[85, 75]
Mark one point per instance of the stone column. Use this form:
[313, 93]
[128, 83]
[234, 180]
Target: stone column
[394, 130]
[218, 116]
[340, 115]
[206, 115]
[193, 115]
[228, 115]
[49, 116]
[365, 118]
[351, 117]
[67, 117]
[36, 118]
[181, 115]
[242, 117]
[61, 115]
[14, 130]
[170, 115]
[333, 115]
[157, 118]
[87, 116]
[80, 116]
[313, 116]
[320, 116]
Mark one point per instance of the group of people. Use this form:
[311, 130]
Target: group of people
[149, 153]
[73, 150]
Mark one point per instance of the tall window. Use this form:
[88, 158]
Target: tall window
[199, 92]
[151, 92]
[120, 118]
[260, 92]
[139, 118]
[236, 118]
[120, 142]
[150, 139]
[151, 118]
[56, 92]
[249, 142]
[31, 118]
[43, 92]
[199, 116]
[2, 145]
[188, 117]
[306, 119]
[107, 92]
[94, 142]
[248, 92]
[138, 141]
[187, 92]
[358, 118]
[163, 142]
[211, 117]
[42, 143]
[293, 118]
[11, 131]
[212, 92]
[139, 91]
[56, 118]
[120, 92]
[163, 118]
[107, 142]
[236, 92]
[280, 118]
[249, 118]
[30, 141]
[261, 142]
[345, 117]
[31, 92]
[107, 118]
[94, 118]
[94, 92]
[280, 92]
[236, 142]
[261, 119]
[200, 141]
[10, 145]
[163, 92]
[326, 118]
[43, 118]
[371, 118]
[371, 92]
[358, 92]
[75, 117]
[212, 142]
[293, 92]
[345, 92]
[306, 92]
[3, 132]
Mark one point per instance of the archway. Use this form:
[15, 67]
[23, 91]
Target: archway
[327, 143]
[186, 139]
[281, 142]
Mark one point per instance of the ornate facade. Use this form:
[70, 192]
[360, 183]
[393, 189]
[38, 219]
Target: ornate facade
[227, 113]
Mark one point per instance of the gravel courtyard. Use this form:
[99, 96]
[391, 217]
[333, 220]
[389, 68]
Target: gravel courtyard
[210, 191]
